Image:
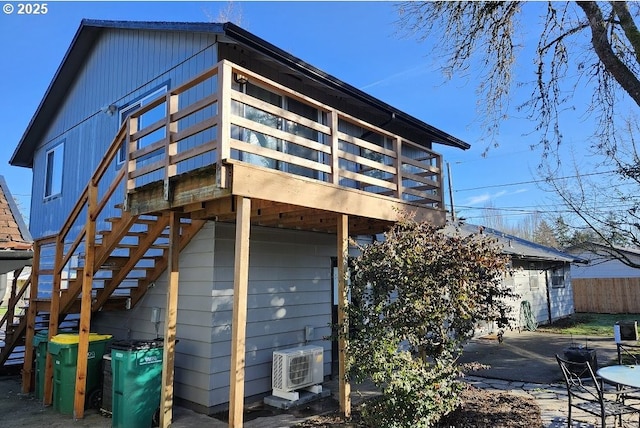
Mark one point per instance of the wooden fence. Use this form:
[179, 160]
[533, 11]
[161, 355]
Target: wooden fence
[607, 295]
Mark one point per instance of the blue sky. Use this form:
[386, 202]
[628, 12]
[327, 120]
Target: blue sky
[358, 42]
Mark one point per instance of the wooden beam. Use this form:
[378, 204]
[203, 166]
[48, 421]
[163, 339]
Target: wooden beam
[85, 307]
[239, 320]
[286, 188]
[170, 322]
[171, 168]
[214, 208]
[344, 389]
[224, 122]
[132, 145]
[11, 307]
[186, 189]
[335, 147]
[27, 373]
[53, 319]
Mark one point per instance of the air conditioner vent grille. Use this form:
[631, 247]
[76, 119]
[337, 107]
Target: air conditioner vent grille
[299, 369]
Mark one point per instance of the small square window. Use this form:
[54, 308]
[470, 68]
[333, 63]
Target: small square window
[557, 278]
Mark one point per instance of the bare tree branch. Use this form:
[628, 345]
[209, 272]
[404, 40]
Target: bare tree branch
[623, 75]
[628, 25]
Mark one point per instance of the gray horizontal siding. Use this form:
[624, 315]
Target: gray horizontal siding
[562, 297]
[601, 267]
[289, 288]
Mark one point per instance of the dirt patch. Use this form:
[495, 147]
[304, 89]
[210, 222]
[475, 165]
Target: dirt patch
[479, 409]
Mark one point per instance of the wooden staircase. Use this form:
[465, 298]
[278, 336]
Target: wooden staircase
[128, 259]
[117, 263]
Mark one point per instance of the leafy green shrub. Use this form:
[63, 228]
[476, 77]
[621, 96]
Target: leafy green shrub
[415, 298]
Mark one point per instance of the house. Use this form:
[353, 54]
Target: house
[541, 276]
[196, 171]
[607, 284]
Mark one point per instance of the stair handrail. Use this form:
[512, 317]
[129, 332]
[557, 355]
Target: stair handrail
[84, 197]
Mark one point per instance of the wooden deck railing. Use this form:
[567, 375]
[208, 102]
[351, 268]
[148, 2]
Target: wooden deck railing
[214, 117]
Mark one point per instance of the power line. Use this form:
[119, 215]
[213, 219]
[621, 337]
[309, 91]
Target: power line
[544, 180]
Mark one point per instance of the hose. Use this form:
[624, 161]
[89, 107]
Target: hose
[527, 320]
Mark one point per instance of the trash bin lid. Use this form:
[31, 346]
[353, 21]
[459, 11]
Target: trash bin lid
[132, 345]
[71, 338]
[40, 337]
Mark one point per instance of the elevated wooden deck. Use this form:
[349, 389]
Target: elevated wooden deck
[303, 170]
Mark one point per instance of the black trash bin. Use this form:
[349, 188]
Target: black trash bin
[579, 354]
[106, 407]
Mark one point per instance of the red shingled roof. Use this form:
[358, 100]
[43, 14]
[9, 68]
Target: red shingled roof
[11, 237]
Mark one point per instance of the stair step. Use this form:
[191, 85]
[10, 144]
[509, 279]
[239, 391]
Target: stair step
[138, 221]
[153, 246]
[123, 286]
[138, 234]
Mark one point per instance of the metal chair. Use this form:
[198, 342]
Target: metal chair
[586, 393]
[628, 354]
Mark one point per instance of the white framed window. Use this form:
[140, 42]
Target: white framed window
[146, 119]
[558, 278]
[53, 171]
[533, 277]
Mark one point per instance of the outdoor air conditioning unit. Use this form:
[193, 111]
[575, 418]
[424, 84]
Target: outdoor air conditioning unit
[297, 368]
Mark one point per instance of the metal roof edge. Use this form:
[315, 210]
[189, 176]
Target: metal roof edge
[593, 247]
[553, 253]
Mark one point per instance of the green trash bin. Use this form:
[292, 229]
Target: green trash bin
[40, 340]
[137, 380]
[64, 352]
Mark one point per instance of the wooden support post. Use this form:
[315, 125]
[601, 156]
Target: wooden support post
[239, 318]
[440, 193]
[171, 148]
[132, 145]
[54, 314]
[85, 306]
[27, 373]
[224, 121]
[335, 146]
[170, 321]
[11, 309]
[344, 389]
[398, 163]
